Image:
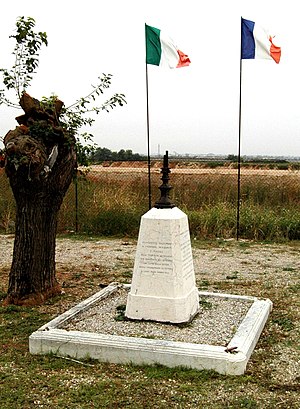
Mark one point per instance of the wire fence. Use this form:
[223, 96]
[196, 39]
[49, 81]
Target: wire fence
[110, 198]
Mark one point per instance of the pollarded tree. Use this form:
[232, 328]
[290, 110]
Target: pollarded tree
[40, 158]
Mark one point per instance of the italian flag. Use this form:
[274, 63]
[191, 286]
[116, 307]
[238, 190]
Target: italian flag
[161, 50]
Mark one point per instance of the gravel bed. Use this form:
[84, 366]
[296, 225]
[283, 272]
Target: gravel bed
[215, 324]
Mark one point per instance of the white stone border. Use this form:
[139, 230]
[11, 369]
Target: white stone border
[121, 349]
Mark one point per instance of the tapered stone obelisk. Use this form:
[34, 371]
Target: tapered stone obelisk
[163, 285]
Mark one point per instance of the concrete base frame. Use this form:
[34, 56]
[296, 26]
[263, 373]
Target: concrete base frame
[231, 360]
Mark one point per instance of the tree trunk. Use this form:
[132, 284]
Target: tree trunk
[40, 165]
[32, 274]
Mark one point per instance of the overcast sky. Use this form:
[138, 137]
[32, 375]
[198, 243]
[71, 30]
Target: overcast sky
[193, 109]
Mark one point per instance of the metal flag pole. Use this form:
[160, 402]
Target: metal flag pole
[148, 136]
[239, 149]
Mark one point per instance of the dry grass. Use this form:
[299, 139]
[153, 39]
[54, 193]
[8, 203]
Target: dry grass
[111, 200]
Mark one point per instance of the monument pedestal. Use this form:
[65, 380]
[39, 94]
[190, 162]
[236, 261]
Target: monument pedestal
[163, 285]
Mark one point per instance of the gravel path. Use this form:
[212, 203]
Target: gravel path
[279, 264]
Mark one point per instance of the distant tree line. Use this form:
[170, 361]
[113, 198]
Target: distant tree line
[105, 154]
[258, 159]
[98, 155]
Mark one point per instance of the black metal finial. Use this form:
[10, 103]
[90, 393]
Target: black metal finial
[164, 202]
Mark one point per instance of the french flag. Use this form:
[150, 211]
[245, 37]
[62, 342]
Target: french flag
[257, 43]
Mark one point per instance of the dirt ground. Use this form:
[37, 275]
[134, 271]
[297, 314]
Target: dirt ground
[216, 265]
[112, 260]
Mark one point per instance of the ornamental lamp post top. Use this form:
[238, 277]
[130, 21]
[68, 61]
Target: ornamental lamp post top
[164, 202]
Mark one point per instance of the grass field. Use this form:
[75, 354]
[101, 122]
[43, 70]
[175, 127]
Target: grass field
[112, 199]
[109, 200]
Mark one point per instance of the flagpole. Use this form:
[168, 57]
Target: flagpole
[148, 140]
[239, 148]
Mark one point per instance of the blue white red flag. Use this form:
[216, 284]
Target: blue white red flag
[257, 42]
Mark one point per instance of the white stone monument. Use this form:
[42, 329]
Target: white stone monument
[163, 285]
[163, 289]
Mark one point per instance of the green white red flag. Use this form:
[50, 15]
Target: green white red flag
[162, 51]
